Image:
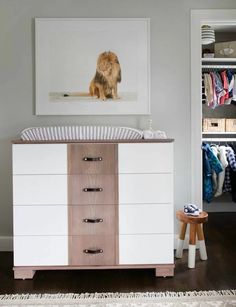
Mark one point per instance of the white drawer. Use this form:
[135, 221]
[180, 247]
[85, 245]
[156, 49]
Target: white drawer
[40, 159]
[40, 250]
[146, 218]
[40, 220]
[146, 249]
[146, 158]
[145, 188]
[40, 189]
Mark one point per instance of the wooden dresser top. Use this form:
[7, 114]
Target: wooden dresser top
[19, 141]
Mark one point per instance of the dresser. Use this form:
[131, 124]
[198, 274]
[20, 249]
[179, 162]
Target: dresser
[93, 205]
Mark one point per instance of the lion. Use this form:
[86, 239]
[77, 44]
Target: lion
[108, 74]
[104, 83]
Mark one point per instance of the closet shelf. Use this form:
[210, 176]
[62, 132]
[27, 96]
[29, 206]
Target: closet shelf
[219, 139]
[219, 66]
[219, 133]
[215, 60]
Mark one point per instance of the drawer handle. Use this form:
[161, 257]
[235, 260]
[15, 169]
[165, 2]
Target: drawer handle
[89, 159]
[92, 220]
[92, 189]
[93, 251]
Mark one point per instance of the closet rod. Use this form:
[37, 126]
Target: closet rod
[219, 66]
[219, 139]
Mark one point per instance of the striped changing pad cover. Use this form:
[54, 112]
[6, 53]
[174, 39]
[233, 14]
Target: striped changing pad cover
[67, 133]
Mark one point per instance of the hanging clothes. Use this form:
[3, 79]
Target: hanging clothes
[219, 88]
[220, 152]
[210, 163]
[234, 89]
[208, 89]
[232, 163]
[226, 87]
[220, 92]
[230, 78]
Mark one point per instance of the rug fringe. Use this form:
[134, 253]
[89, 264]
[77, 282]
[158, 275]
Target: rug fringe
[117, 295]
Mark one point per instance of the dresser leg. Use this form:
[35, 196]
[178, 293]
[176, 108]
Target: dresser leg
[165, 270]
[23, 273]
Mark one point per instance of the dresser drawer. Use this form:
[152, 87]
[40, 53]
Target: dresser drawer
[92, 220]
[40, 189]
[145, 188]
[40, 220]
[146, 218]
[39, 159]
[92, 159]
[145, 158]
[92, 189]
[146, 249]
[92, 250]
[40, 250]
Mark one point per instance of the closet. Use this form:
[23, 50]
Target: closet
[219, 119]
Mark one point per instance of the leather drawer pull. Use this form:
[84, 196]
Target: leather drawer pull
[93, 251]
[92, 220]
[92, 159]
[92, 189]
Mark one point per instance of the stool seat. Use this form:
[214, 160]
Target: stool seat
[196, 230]
[201, 218]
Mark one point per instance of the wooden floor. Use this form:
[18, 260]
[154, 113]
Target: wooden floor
[217, 273]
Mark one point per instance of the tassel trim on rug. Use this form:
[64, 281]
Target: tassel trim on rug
[116, 295]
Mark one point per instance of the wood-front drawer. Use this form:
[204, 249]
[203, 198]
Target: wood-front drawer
[92, 158]
[92, 250]
[92, 189]
[92, 220]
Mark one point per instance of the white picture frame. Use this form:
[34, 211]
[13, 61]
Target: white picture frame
[66, 55]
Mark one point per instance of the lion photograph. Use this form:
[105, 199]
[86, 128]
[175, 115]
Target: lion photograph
[94, 66]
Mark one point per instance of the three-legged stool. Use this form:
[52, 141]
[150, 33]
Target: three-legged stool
[196, 229]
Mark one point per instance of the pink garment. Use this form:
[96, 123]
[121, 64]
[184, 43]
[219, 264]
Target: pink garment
[226, 87]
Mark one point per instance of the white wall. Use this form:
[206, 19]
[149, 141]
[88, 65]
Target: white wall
[170, 77]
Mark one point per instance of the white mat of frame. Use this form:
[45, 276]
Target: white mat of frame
[224, 298]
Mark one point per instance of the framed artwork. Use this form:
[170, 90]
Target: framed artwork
[92, 66]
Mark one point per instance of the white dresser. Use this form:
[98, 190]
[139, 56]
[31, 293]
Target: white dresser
[93, 205]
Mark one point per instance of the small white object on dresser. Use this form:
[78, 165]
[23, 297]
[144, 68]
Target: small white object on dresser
[91, 205]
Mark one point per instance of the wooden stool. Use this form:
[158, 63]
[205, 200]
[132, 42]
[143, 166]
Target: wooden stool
[195, 229]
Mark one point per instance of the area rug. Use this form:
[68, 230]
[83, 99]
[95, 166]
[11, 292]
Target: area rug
[225, 298]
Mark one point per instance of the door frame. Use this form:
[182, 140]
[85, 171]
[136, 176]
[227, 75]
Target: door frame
[199, 18]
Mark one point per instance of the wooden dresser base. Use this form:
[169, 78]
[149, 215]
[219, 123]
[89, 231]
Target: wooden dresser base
[27, 272]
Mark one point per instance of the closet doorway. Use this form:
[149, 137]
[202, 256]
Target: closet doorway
[223, 22]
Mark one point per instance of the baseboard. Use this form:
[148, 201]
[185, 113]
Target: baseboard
[6, 243]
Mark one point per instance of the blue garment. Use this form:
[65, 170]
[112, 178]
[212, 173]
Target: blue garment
[210, 163]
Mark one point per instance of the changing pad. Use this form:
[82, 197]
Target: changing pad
[62, 133]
